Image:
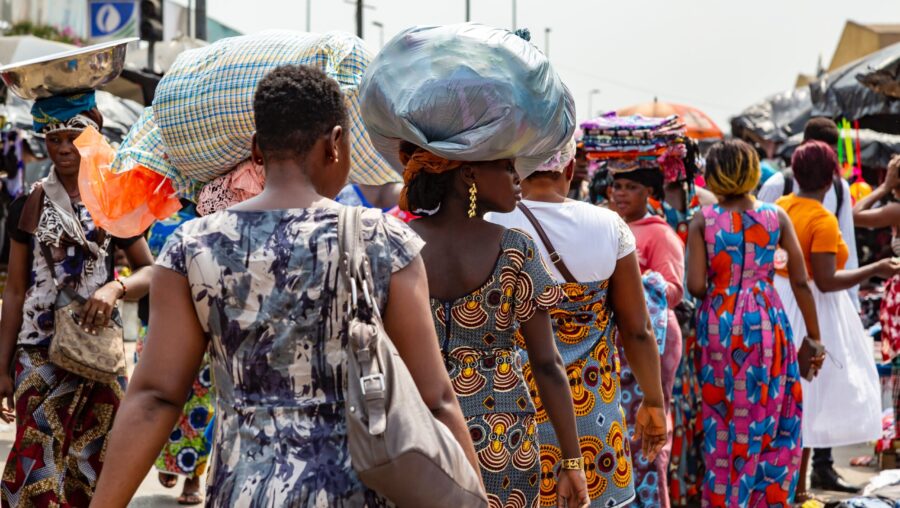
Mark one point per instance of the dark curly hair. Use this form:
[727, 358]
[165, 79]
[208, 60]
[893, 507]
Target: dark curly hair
[426, 191]
[294, 105]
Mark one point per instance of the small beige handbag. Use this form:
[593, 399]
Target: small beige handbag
[396, 445]
[98, 357]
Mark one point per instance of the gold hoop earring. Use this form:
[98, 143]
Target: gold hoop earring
[473, 193]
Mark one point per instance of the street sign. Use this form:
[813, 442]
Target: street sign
[112, 19]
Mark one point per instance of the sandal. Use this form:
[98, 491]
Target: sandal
[168, 480]
[808, 500]
[190, 499]
[190, 494]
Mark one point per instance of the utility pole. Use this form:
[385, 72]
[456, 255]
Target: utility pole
[547, 42]
[380, 26]
[591, 95]
[309, 15]
[468, 10]
[200, 15]
[360, 4]
[514, 15]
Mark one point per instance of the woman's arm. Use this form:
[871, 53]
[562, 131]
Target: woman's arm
[641, 351]
[157, 392]
[828, 278]
[98, 309]
[13, 300]
[407, 320]
[696, 277]
[553, 386]
[796, 266]
[886, 216]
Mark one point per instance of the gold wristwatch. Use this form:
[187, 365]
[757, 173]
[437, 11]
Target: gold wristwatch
[572, 464]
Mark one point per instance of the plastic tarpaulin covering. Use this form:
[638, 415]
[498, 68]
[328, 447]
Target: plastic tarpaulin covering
[876, 148]
[778, 117]
[467, 92]
[853, 90]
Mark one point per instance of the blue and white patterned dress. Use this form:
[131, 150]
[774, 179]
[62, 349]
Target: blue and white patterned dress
[263, 284]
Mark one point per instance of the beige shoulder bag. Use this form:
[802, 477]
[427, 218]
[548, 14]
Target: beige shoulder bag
[98, 357]
[396, 445]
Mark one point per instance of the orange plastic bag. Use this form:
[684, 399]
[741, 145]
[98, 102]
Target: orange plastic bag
[124, 204]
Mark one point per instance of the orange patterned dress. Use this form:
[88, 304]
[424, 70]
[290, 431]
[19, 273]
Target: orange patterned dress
[584, 329]
[477, 337]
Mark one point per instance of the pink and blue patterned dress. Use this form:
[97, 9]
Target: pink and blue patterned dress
[749, 376]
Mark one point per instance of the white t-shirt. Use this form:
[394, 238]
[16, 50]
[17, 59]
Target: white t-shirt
[773, 189]
[589, 239]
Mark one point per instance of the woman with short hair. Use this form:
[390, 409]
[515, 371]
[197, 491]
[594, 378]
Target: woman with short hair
[749, 368]
[254, 282]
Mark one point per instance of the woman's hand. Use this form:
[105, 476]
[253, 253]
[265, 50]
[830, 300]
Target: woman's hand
[7, 390]
[571, 491]
[892, 178]
[650, 428]
[98, 309]
[887, 267]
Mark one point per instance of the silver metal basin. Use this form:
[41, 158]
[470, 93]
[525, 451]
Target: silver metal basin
[66, 73]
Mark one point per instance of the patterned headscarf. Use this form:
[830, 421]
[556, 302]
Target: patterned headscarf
[63, 112]
[419, 161]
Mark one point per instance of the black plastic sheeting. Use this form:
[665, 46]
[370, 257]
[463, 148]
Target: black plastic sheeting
[867, 90]
[777, 118]
[848, 92]
[876, 148]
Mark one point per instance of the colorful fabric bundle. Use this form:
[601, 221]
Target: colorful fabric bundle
[201, 123]
[629, 143]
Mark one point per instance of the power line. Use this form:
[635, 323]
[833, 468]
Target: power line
[622, 84]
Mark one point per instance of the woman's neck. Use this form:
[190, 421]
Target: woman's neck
[817, 195]
[287, 186]
[544, 191]
[70, 183]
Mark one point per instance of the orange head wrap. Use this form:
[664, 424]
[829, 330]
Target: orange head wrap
[418, 161]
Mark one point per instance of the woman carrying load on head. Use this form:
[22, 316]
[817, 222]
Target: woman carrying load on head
[62, 419]
[281, 434]
[597, 267]
[660, 254]
[460, 108]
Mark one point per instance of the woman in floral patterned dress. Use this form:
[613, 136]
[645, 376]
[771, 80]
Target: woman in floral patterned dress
[257, 283]
[749, 376]
[187, 449]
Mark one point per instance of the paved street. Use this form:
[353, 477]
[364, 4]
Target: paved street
[153, 495]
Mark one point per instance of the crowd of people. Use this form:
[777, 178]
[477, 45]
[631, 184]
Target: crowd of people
[655, 343]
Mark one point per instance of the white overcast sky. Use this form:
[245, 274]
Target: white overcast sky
[717, 55]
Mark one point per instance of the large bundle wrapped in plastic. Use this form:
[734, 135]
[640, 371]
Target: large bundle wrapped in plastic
[201, 122]
[467, 92]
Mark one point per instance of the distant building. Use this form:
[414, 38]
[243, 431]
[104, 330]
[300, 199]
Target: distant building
[857, 41]
[73, 14]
